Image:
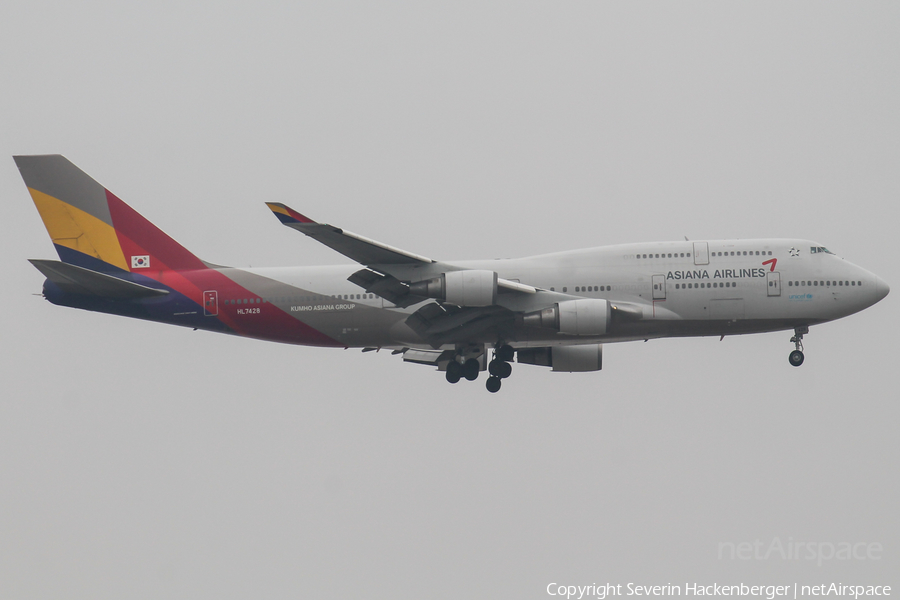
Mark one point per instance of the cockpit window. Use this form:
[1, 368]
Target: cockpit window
[817, 249]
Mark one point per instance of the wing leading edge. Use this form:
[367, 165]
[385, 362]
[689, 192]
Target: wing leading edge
[370, 253]
[359, 248]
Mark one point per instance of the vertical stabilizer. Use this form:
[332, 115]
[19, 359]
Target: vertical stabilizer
[91, 227]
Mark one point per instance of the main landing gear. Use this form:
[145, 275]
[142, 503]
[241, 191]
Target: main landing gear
[457, 370]
[796, 357]
[499, 368]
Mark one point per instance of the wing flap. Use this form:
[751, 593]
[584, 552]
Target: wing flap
[445, 323]
[427, 357]
[388, 287]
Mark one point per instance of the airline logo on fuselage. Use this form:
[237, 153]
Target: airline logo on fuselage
[717, 274]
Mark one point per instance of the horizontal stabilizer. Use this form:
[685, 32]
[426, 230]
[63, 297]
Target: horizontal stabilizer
[77, 280]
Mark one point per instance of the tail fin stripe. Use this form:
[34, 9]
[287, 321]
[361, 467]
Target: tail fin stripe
[73, 228]
[138, 236]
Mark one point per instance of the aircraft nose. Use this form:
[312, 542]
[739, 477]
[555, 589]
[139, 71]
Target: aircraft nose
[881, 289]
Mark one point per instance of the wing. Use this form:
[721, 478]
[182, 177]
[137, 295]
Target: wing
[467, 305]
[386, 263]
[361, 249]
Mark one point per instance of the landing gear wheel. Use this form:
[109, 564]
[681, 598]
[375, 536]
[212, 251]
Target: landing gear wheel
[454, 371]
[505, 353]
[470, 369]
[499, 368]
[796, 357]
[505, 371]
[493, 384]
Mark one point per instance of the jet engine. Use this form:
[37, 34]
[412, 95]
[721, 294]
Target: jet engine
[586, 316]
[463, 288]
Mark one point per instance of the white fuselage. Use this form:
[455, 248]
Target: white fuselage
[719, 287]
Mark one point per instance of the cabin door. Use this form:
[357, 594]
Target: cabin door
[659, 287]
[210, 303]
[773, 283]
[701, 253]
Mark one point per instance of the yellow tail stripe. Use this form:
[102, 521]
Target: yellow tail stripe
[73, 228]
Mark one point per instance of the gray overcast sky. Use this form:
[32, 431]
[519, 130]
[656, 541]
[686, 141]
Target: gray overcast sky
[145, 461]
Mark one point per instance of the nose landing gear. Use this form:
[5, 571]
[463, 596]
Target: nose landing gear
[796, 357]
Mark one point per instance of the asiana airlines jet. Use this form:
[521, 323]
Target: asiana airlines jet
[462, 317]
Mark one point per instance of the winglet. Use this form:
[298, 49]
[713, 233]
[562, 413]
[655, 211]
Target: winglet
[286, 214]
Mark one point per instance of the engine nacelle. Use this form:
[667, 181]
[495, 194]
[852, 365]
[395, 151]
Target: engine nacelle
[586, 317]
[463, 288]
[568, 359]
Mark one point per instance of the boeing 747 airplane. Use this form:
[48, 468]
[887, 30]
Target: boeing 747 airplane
[553, 310]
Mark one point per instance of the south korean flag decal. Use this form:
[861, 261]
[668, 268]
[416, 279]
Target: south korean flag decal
[140, 262]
